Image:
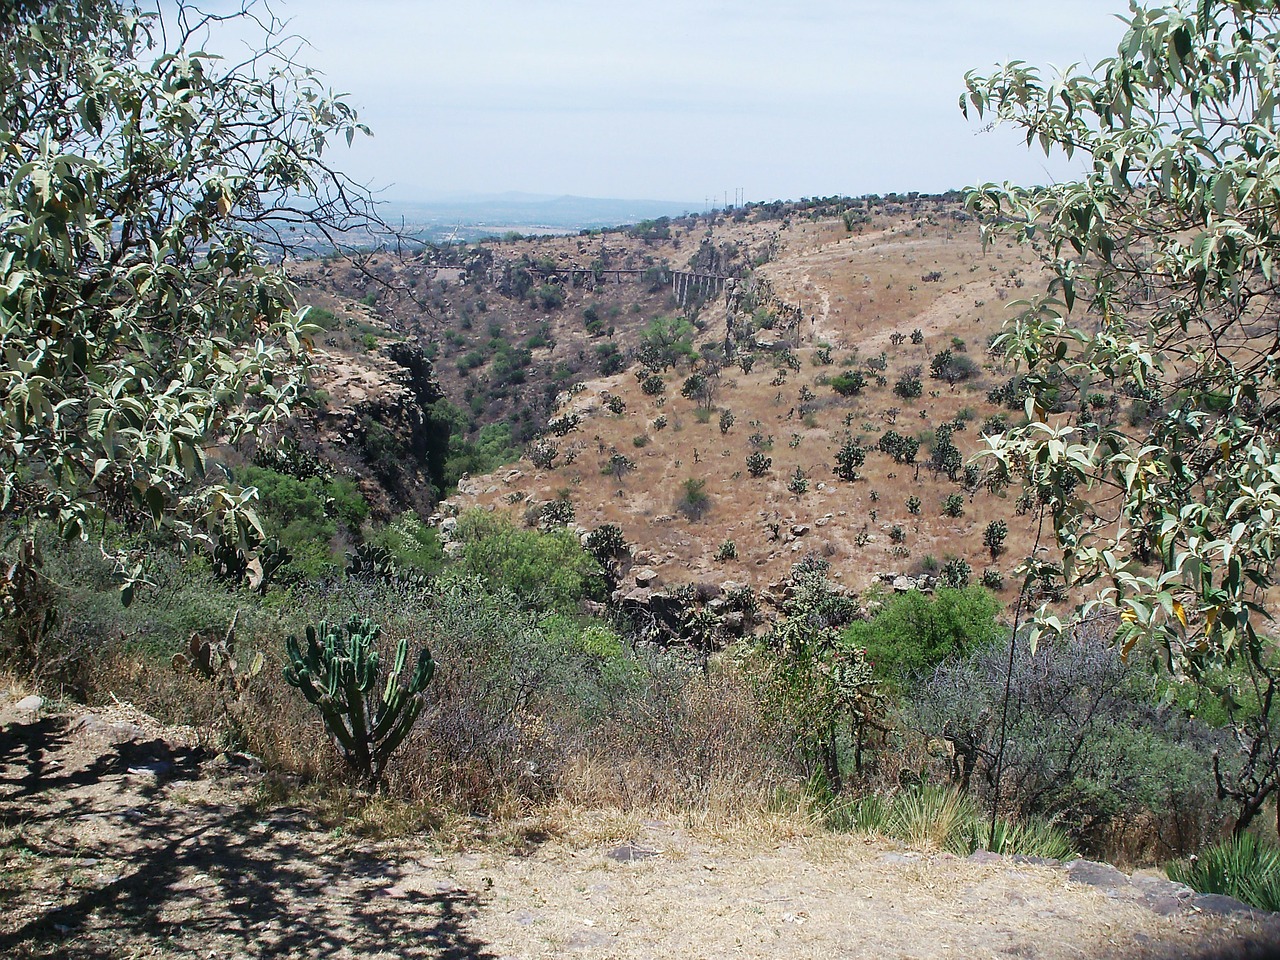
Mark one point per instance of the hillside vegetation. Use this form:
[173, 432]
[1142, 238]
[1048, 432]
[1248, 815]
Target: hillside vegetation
[775, 518]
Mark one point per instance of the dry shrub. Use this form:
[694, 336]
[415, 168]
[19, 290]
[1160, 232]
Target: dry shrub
[693, 739]
[1088, 743]
[527, 708]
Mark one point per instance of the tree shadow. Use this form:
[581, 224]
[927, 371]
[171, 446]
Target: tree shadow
[186, 875]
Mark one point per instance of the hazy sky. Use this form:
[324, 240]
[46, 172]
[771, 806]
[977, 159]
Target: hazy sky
[685, 99]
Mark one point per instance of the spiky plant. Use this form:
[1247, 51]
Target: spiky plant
[340, 674]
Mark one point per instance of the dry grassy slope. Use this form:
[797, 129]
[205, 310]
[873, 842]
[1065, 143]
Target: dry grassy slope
[858, 290]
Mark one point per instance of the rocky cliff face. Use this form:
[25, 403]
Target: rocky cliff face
[381, 425]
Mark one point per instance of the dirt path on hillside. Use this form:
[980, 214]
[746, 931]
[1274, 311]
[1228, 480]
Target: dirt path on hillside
[121, 839]
[812, 280]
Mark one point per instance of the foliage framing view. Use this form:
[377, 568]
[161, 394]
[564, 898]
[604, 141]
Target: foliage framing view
[144, 326]
[144, 181]
[1163, 260]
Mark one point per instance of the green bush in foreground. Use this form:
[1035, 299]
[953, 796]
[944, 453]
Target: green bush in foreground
[546, 569]
[1243, 867]
[915, 632]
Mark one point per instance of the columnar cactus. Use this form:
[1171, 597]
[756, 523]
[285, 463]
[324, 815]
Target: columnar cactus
[341, 677]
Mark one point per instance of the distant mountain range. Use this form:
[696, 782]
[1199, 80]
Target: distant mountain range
[472, 216]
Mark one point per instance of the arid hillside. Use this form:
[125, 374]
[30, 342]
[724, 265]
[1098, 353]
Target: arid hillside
[552, 330]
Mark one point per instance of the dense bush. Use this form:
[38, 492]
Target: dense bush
[545, 570]
[814, 683]
[1087, 741]
[412, 545]
[304, 515]
[908, 386]
[665, 342]
[848, 384]
[914, 632]
[694, 501]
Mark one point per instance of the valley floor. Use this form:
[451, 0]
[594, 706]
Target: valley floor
[122, 839]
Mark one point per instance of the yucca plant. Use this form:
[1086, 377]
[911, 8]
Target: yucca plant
[1028, 837]
[340, 675]
[867, 814]
[933, 816]
[949, 819]
[1243, 867]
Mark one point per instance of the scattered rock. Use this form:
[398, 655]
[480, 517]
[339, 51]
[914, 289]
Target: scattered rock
[629, 852]
[646, 577]
[93, 727]
[984, 856]
[799, 529]
[899, 857]
[30, 706]
[154, 770]
[1219, 904]
[1101, 875]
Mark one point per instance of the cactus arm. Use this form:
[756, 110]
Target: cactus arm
[397, 734]
[396, 697]
[423, 672]
[338, 673]
[355, 706]
[333, 721]
[393, 675]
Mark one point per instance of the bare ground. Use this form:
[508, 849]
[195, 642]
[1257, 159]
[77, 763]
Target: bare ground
[123, 839]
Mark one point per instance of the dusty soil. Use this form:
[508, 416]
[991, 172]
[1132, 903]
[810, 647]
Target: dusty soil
[122, 839]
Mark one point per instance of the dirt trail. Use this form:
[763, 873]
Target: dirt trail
[122, 839]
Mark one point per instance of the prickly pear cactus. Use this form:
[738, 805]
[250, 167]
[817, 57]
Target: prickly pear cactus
[338, 671]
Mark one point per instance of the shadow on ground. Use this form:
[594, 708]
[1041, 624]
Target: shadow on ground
[127, 850]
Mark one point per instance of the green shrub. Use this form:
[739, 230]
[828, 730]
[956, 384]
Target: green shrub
[1243, 867]
[914, 632]
[610, 358]
[412, 544]
[849, 384]
[694, 501]
[1088, 741]
[492, 447]
[666, 341]
[549, 296]
[304, 515]
[908, 386]
[545, 569]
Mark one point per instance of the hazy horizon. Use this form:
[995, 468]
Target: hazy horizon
[684, 102]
